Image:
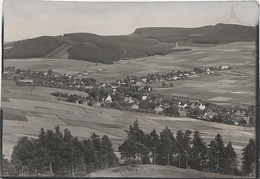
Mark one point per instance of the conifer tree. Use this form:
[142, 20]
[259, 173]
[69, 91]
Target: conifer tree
[220, 156]
[96, 141]
[90, 157]
[153, 139]
[135, 146]
[231, 158]
[107, 153]
[165, 147]
[23, 158]
[182, 148]
[128, 151]
[248, 159]
[212, 160]
[198, 153]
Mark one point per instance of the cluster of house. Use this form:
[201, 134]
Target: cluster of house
[129, 100]
[171, 76]
[49, 79]
[67, 81]
[184, 107]
[236, 117]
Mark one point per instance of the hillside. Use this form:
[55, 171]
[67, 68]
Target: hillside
[32, 48]
[218, 34]
[155, 171]
[142, 43]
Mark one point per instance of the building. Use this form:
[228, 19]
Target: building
[158, 109]
[181, 107]
[202, 107]
[108, 99]
[26, 81]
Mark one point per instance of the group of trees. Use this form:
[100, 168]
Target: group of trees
[183, 151]
[60, 154]
[72, 98]
[56, 153]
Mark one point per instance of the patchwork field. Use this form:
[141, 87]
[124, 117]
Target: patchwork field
[44, 111]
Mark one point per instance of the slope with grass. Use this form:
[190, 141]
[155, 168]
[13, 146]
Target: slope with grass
[156, 171]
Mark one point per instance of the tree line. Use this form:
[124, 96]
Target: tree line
[60, 154]
[57, 153]
[184, 151]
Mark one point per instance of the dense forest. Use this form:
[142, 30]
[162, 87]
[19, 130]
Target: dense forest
[32, 48]
[57, 153]
[185, 151]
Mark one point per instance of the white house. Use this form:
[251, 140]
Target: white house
[26, 81]
[181, 107]
[158, 109]
[144, 97]
[202, 107]
[224, 67]
[208, 71]
[175, 78]
[129, 99]
[96, 104]
[135, 105]
[144, 80]
[108, 99]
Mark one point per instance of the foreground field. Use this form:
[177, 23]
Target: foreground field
[155, 171]
[83, 120]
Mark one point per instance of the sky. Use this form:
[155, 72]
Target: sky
[24, 19]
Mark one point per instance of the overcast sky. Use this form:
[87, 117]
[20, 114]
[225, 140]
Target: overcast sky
[25, 19]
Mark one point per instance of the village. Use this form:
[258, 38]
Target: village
[134, 93]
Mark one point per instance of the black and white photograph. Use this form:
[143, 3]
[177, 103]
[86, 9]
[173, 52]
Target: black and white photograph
[129, 89]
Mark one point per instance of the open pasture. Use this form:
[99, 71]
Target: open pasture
[236, 86]
[41, 92]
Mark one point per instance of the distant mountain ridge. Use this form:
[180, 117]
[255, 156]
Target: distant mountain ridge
[142, 42]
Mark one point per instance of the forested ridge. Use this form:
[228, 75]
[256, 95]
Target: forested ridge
[57, 153]
[143, 42]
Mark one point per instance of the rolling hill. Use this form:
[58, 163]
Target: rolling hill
[155, 171]
[142, 42]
